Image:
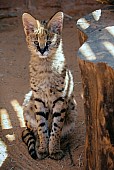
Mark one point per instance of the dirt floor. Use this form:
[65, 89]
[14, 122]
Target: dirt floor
[14, 84]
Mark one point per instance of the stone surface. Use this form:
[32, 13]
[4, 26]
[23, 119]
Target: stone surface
[99, 28]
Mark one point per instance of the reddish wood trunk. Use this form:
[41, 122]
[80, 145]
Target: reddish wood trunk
[99, 111]
[98, 85]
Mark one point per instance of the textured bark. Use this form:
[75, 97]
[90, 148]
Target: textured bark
[98, 84]
[98, 87]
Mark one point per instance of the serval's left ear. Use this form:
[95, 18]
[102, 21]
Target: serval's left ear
[55, 24]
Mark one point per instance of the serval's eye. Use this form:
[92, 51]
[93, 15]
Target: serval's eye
[36, 43]
[48, 42]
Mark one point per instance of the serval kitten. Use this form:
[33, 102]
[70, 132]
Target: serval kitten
[49, 108]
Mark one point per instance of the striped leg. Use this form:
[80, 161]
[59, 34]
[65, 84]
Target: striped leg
[57, 125]
[29, 139]
[41, 117]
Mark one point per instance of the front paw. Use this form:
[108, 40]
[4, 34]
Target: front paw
[41, 154]
[57, 155]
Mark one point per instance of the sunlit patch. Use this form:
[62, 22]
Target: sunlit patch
[87, 52]
[96, 14]
[5, 121]
[18, 109]
[110, 30]
[102, 1]
[27, 98]
[82, 95]
[110, 47]
[3, 152]
[10, 137]
[70, 84]
[83, 23]
[54, 38]
[59, 61]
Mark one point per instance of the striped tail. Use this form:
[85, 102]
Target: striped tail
[29, 139]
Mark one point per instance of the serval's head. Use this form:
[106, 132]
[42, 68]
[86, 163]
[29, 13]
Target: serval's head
[43, 38]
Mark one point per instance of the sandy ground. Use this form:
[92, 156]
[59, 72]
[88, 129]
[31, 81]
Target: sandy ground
[14, 84]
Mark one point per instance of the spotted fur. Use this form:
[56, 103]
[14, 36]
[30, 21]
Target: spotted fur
[49, 108]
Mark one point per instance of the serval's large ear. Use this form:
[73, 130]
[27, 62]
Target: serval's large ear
[30, 24]
[55, 24]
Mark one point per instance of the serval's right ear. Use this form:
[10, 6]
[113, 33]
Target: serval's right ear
[30, 24]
